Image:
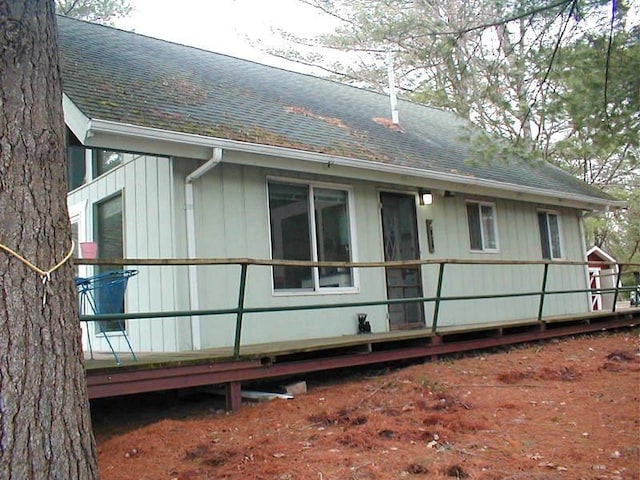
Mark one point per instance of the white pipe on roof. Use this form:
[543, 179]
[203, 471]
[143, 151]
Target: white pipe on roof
[392, 88]
[194, 300]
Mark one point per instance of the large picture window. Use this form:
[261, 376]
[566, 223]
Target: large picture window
[481, 218]
[549, 223]
[310, 222]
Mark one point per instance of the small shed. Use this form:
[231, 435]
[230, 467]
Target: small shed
[603, 271]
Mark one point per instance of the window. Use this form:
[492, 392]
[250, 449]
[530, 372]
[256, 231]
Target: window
[549, 223]
[482, 226]
[109, 237]
[76, 166]
[310, 222]
[82, 168]
[105, 160]
[430, 239]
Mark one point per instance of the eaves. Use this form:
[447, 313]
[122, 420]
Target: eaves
[110, 134]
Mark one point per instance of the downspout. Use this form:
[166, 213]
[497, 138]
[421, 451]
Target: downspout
[194, 301]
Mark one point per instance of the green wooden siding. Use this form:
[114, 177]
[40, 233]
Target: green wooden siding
[231, 220]
[146, 186]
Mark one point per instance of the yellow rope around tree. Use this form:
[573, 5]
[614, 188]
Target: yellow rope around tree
[45, 274]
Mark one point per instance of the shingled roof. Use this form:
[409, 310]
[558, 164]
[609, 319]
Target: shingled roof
[124, 77]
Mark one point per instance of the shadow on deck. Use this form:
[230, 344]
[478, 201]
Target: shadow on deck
[165, 371]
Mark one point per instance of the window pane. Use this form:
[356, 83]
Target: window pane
[76, 166]
[430, 238]
[544, 235]
[475, 234]
[332, 236]
[488, 228]
[290, 239]
[106, 160]
[109, 237]
[554, 235]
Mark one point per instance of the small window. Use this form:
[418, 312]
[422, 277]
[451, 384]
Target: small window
[310, 222]
[105, 160]
[76, 166]
[430, 240]
[549, 223]
[482, 226]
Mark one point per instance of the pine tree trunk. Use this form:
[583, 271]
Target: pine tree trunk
[45, 426]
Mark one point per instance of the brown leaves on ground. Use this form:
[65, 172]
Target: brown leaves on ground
[562, 409]
[561, 374]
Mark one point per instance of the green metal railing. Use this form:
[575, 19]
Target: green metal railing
[240, 310]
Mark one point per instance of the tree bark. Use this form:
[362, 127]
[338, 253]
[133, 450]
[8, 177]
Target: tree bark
[45, 426]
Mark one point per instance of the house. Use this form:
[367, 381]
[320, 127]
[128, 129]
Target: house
[603, 274]
[177, 152]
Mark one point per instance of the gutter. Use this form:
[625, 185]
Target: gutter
[194, 298]
[116, 128]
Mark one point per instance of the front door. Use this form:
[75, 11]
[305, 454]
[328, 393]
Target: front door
[400, 235]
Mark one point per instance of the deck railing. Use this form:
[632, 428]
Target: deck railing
[244, 263]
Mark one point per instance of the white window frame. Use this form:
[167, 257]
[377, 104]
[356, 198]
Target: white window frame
[483, 239]
[78, 214]
[547, 213]
[316, 289]
[95, 205]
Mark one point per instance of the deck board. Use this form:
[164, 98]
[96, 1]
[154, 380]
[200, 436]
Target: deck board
[105, 360]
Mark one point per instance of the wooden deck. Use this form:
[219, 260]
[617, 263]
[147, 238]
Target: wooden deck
[164, 371]
[105, 360]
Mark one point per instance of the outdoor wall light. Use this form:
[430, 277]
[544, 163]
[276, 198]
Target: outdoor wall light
[426, 197]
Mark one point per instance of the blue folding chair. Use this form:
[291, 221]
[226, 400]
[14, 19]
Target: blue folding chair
[104, 293]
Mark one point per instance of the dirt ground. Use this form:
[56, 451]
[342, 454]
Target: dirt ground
[561, 409]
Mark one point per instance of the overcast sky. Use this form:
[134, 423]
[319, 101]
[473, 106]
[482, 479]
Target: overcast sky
[224, 25]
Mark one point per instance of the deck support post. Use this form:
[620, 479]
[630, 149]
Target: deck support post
[436, 308]
[544, 289]
[615, 295]
[434, 341]
[243, 284]
[233, 396]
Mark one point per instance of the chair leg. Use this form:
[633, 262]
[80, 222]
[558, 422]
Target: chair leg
[106, 337]
[82, 307]
[89, 341]
[126, 337]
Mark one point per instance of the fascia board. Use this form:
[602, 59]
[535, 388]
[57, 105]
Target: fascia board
[508, 190]
[77, 121]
